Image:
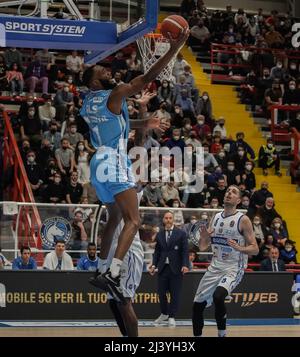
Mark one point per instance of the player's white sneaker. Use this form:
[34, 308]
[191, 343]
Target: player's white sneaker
[162, 319]
[172, 322]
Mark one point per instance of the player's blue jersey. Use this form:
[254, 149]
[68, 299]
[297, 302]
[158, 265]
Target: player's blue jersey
[85, 263]
[106, 128]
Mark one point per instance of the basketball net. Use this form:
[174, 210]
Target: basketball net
[152, 46]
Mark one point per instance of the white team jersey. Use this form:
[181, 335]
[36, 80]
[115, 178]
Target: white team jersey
[226, 258]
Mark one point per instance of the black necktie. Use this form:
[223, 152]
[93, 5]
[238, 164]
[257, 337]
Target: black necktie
[168, 236]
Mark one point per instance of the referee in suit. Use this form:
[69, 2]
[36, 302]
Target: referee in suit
[171, 261]
[273, 263]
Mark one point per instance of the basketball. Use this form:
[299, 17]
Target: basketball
[174, 24]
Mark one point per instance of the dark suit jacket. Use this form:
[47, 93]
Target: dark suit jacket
[266, 265]
[176, 251]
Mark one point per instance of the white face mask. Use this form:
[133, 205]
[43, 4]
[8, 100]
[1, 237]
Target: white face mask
[193, 221]
[214, 205]
[256, 222]
[188, 127]
[279, 65]
[277, 225]
[29, 103]
[70, 80]
[138, 96]
[204, 216]
[31, 159]
[81, 147]
[205, 97]
[288, 249]
[152, 187]
[270, 146]
[293, 67]
[230, 168]
[241, 153]
[222, 154]
[66, 89]
[200, 122]
[130, 107]
[175, 205]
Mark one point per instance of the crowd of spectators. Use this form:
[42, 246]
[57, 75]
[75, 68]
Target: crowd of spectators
[55, 144]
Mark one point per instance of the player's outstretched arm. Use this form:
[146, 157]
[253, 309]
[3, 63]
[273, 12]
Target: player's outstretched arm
[137, 84]
[251, 247]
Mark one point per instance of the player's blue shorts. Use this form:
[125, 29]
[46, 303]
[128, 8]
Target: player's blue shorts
[111, 176]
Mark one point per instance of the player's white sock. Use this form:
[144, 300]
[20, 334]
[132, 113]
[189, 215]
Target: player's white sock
[115, 267]
[221, 333]
[102, 265]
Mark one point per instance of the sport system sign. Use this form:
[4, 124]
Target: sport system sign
[45, 295]
[59, 34]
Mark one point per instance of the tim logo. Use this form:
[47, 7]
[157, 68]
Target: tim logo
[2, 295]
[296, 37]
[55, 228]
[249, 299]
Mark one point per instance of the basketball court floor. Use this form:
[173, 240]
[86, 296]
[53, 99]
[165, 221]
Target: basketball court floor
[236, 328]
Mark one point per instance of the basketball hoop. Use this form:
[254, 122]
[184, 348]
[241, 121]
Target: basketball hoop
[152, 46]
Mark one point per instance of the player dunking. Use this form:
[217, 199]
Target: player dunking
[105, 111]
[232, 239]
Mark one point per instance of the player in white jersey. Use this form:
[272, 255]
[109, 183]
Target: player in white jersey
[232, 239]
[130, 278]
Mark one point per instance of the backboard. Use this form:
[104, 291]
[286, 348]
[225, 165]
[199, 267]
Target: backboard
[100, 27]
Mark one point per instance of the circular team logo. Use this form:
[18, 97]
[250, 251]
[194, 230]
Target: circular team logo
[55, 228]
[194, 233]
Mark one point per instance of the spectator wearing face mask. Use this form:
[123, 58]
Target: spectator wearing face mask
[30, 127]
[177, 116]
[204, 106]
[231, 174]
[278, 231]
[53, 136]
[244, 203]
[176, 140]
[192, 140]
[264, 82]
[259, 197]
[292, 94]
[165, 93]
[55, 191]
[220, 127]
[179, 65]
[34, 173]
[214, 203]
[202, 130]
[248, 177]
[73, 136]
[258, 229]
[293, 70]
[46, 112]
[50, 170]
[178, 215]
[74, 64]
[239, 158]
[82, 163]
[213, 178]
[289, 253]
[63, 102]
[200, 36]
[222, 159]
[23, 110]
[278, 72]
[240, 142]
[268, 212]
[268, 157]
